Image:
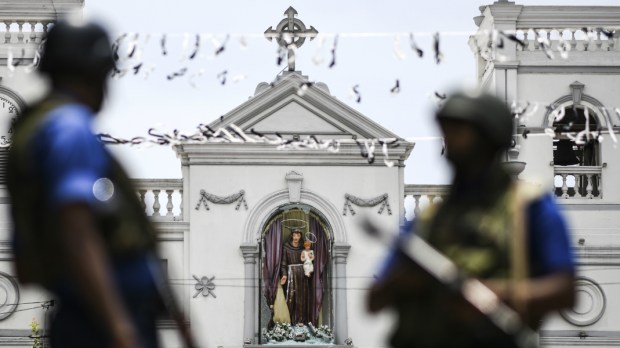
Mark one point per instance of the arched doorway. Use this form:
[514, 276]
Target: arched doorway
[280, 302]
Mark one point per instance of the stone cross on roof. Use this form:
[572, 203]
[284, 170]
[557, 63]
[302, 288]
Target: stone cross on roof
[291, 34]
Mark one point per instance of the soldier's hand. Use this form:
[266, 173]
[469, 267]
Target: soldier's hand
[283, 280]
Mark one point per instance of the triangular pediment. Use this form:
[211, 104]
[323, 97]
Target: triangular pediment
[295, 118]
[286, 108]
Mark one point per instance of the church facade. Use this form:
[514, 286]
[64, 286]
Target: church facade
[222, 225]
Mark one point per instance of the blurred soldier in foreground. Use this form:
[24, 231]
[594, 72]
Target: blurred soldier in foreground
[508, 234]
[80, 231]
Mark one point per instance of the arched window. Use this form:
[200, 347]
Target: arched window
[576, 145]
[302, 298]
[567, 149]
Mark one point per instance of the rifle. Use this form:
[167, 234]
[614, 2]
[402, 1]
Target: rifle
[498, 319]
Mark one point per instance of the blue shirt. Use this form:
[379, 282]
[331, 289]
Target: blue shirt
[549, 245]
[70, 159]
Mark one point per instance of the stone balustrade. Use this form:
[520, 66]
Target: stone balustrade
[23, 32]
[423, 195]
[574, 39]
[578, 182]
[153, 192]
[26, 22]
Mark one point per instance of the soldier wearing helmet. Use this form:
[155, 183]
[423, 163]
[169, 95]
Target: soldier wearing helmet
[506, 233]
[79, 230]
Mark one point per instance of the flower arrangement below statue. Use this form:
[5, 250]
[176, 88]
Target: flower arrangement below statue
[308, 334]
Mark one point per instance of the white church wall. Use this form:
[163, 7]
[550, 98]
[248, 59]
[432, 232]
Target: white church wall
[217, 234]
[537, 152]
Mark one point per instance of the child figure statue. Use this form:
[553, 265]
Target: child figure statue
[307, 256]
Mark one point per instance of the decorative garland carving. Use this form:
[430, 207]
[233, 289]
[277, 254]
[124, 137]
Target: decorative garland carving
[204, 286]
[238, 197]
[360, 202]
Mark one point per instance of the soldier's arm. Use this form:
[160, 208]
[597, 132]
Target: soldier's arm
[90, 270]
[537, 296]
[402, 279]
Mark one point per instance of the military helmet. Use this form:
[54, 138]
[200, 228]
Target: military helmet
[487, 113]
[77, 50]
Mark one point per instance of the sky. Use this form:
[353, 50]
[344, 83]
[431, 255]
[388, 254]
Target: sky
[137, 103]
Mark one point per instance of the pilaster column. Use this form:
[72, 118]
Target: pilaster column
[185, 193]
[250, 254]
[340, 254]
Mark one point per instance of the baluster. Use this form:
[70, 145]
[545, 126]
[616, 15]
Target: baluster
[599, 186]
[578, 180]
[431, 199]
[531, 41]
[416, 205]
[605, 44]
[554, 44]
[156, 204]
[169, 203]
[522, 35]
[7, 34]
[33, 35]
[181, 204]
[564, 187]
[581, 44]
[20, 32]
[589, 187]
[142, 201]
[439, 198]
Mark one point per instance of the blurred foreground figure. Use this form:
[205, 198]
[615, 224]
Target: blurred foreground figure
[80, 230]
[506, 233]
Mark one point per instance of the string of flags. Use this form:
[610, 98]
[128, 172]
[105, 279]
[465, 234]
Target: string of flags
[233, 133]
[128, 54]
[128, 48]
[367, 147]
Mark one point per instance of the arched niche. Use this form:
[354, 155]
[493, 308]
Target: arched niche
[257, 219]
[273, 297]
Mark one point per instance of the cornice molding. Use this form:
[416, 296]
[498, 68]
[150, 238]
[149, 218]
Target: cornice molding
[597, 255]
[37, 10]
[504, 13]
[526, 17]
[266, 154]
[568, 16]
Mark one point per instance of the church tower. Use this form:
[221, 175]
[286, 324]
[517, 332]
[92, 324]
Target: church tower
[558, 66]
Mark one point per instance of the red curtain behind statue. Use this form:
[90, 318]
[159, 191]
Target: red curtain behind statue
[321, 257]
[271, 262]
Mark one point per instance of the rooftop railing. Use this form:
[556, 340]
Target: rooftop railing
[578, 182]
[162, 199]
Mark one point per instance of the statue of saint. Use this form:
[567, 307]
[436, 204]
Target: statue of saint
[307, 256]
[298, 286]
